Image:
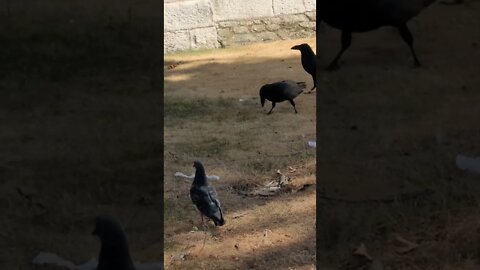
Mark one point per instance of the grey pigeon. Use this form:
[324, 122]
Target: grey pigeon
[114, 251]
[309, 61]
[353, 16]
[281, 91]
[204, 196]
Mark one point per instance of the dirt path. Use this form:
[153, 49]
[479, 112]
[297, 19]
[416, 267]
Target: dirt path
[213, 114]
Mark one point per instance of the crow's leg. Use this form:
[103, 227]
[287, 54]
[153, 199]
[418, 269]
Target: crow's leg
[201, 216]
[273, 106]
[314, 84]
[408, 38]
[293, 104]
[346, 42]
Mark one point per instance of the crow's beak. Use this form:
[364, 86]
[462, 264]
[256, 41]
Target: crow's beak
[294, 47]
[262, 101]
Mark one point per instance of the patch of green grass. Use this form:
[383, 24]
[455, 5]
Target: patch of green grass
[179, 110]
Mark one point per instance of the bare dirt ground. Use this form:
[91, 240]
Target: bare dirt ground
[213, 114]
[80, 136]
[388, 137]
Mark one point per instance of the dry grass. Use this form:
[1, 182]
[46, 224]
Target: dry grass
[205, 120]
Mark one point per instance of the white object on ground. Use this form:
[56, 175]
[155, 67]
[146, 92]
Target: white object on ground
[312, 144]
[190, 177]
[54, 259]
[468, 163]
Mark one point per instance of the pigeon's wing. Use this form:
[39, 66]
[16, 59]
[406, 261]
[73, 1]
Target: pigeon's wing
[212, 193]
[205, 198]
[217, 209]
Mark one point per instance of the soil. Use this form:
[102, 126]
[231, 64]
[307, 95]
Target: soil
[213, 114]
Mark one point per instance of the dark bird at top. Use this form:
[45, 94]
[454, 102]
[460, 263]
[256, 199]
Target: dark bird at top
[354, 16]
[281, 91]
[309, 62]
[114, 251]
[204, 196]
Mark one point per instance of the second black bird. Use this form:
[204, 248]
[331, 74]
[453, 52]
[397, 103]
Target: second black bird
[281, 91]
[309, 61]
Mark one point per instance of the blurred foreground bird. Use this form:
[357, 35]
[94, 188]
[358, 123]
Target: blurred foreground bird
[204, 196]
[353, 16]
[309, 62]
[281, 91]
[114, 251]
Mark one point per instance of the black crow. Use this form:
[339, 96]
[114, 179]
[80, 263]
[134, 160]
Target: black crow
[353, 16]
[114, 252]
[309, 61]
[281, 91]
[204, 196]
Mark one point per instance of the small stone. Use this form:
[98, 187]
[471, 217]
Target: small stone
[272, 27]
[258, 28]
[240, 30]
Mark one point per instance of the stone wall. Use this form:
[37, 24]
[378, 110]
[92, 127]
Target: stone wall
[204, 24]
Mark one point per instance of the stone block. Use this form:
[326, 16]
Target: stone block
[176, 41]
[288, 6]
[204, 38]
[187, 15]
[310, 5]
[224, 10]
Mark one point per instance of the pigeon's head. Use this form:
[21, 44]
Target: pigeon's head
[109, 230]
[301, 47]
[197, 164]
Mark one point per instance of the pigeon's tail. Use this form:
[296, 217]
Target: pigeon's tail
[219, 221]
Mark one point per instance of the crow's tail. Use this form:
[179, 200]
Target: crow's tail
[302, 86]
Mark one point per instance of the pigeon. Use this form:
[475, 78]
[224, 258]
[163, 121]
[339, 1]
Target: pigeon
[114, 252]
[353, 16]
[204, 196]
[281, 91]
[309, 62]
